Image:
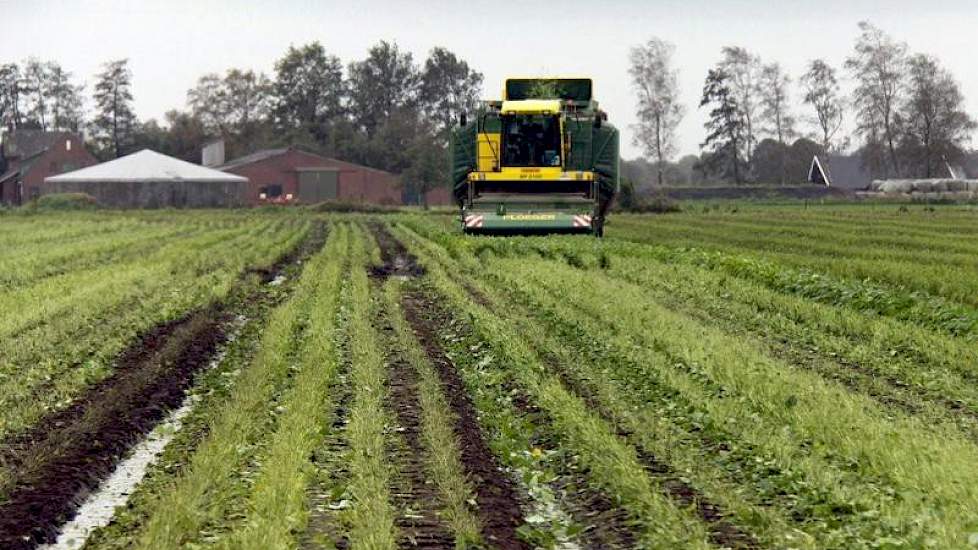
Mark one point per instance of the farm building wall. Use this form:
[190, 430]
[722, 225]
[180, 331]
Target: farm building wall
[282, 169]
[47, 154]
[157, 194]
[57, 160]
[440, 196]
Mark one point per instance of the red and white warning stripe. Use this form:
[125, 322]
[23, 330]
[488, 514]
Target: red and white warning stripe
[582, 221]
[473, 220]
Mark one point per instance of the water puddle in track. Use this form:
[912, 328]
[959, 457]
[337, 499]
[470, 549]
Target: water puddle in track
[99, 508]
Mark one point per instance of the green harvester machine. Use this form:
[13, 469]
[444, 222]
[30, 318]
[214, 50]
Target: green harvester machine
[542, 160]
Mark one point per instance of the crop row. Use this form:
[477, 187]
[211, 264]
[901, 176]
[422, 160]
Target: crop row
[938, 259]
[61, 333]
[305, 441]
[793, 455]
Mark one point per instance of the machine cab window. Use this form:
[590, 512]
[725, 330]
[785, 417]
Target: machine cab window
[531, 140]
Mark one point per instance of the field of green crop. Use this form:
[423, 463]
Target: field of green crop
[745, 376]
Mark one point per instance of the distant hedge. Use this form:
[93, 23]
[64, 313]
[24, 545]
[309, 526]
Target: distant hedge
[66, 201]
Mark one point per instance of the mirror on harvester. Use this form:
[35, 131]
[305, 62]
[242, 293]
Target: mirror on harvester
[462, 119]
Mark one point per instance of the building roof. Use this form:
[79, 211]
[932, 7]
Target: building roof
[23, 148]
[146, 165]
[254, 157]
[817, 174]
[22, 143]
[265, 154]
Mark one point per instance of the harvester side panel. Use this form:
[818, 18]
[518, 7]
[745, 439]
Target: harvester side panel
[604, 162]
[463, 158]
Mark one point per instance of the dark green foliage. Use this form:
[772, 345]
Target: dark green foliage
[657, 203]
[115, 122]
[308, 91]
[448, 88]
[65, 201]
[384, 83]
[726, 127]
[181, 136]
[340, 206]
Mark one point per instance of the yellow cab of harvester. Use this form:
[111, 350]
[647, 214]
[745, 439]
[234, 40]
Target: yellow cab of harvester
[541, 159]
[489, 144]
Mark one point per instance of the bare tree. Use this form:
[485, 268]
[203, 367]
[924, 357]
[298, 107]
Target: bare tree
[878, 65]
[775, 109]
[935, 124]
[743, 69]
[821, 88]
[659, 111]
[247, 97]
[206, 102]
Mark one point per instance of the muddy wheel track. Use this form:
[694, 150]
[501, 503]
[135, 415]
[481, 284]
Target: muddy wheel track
[56, 463]
[607, 524]
[324, 524]
[612, 529]
[721, 531]
[499, 507]
[418, 523]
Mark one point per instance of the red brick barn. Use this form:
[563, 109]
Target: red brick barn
[440, 196]
[290, 176]
[29, 156]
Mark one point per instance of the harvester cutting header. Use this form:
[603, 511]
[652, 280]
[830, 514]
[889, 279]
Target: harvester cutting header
[542, 159]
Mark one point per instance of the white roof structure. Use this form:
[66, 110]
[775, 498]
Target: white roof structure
[146, 166]
[818, 174]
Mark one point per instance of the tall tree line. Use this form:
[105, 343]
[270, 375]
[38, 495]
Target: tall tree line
[906, 109]
[39, 95]
[386, 110]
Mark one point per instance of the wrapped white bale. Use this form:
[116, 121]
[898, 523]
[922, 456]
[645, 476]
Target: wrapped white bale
[956, 186]
[893, 186]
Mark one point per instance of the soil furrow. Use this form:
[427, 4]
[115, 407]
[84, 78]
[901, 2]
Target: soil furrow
[499, 507]
[722, 532]
[606, 524]
[324, 528]
[418, 524]
[397, 261]
[53, 466]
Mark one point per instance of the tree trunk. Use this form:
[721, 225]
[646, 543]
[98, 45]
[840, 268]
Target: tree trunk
[784, 163]
[736, 160]
[658, 148]
[750, 139]
[888, 126]
[893, 157]
[115, 121]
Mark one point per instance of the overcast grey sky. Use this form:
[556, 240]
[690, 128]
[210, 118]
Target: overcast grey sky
[171, 43]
